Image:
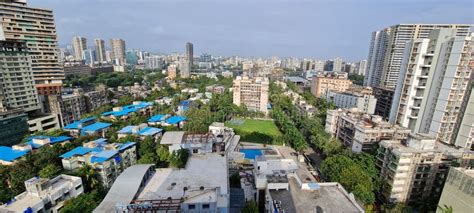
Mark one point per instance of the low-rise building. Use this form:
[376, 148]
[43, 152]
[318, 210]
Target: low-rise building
[69, 107]
[360, 98]
[77, 69]
[415, 169]
[87, 126]
[384, 98]
[216, 89]
[38, 141]
[175, 190]
[158, 120]
[124, 112]
[457, 191]
[45, 195]
[108, 159]
[218, 139]
[361, 131]
[95, 99]
[142, 131]
[9, 155]
[323, 82]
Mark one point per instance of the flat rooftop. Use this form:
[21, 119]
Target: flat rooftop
[202, 177]
[327, 199]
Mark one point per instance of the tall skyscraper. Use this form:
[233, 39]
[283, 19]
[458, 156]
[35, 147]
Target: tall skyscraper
[17, 86]
[435, 78]
[79, 44]
[361, 67]
[100, 50]
[337, 66]
[386, 50]
[35, 26]
[118, 51]
[187, 67]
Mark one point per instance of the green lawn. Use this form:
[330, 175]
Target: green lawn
[257, 131]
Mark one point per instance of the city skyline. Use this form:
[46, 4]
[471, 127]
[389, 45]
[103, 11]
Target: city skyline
[259, 29]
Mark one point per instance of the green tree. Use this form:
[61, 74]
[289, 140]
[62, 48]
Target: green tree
[250, 207]
[179, 158]
[90, 179]
[49, 171]
[83, 203]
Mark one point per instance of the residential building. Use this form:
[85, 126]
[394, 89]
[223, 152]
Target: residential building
[107, 159]
[96, 98]
[13, 126]
[337, 65]
[90, 57]
[386, 50]
[167, 189]
[118, 51]
[77, 70]
[154, 62]
[185, 71]
[158, 120]
[38, 141]
[361, 131]
[100, 50]
[97, 70]
[457, 191]
[69, 107]
[434, 81]
[142, 131]
[124, 112]
[45, 195]
[22, 23]
[79, 45]
[413, 171]
[251, 92]
[464, 130]
[172, 71]
[87, 126]
[17, 85]
[384, 98]
[10, 155]
[216, 140]
[323, 82]
[360, 98]
[361, 67]
[43, 122]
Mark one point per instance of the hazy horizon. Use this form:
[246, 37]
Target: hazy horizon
[300, 28]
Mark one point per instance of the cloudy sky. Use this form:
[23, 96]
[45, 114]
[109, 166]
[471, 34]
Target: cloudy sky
[302, 28]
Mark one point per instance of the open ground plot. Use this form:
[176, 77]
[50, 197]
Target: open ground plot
[258, 131]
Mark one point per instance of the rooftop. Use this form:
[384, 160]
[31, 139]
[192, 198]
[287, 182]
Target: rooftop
[99, 150]
[125, 188]
[125, 110]
[95, 127]
[8, 154]
[197, 185]
[330, 197]
[78, 124]
[175, 119]
[157, 118]
[140, 130]
[172, 137]
[38, 141]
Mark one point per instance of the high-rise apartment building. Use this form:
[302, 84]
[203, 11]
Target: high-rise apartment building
[323, 82]
[118, 51]
[17, 86]
[186, 67]
[79, 45]
[251, 92]
[386, 50]
[458, 190]
[361, 67]
[338, 65]
[413, 171]
[434, 80]
[100, 50]
[36, 27]
[190, 53]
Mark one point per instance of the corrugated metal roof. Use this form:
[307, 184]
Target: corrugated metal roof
[175, 119]
[95, 127]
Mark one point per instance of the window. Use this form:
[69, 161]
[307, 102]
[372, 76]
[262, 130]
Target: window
[191, 207]
[205, 206]
[195, 151]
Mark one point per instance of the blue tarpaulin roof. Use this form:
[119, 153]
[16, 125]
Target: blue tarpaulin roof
[95, 127]
[126, 145]
[175, 119]
[157, 118]
[103, 156]
[52, 139]
[75, 125]
[9, 154]
[126, 130]
[149, 131]
[80, 150]
[128, 109]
